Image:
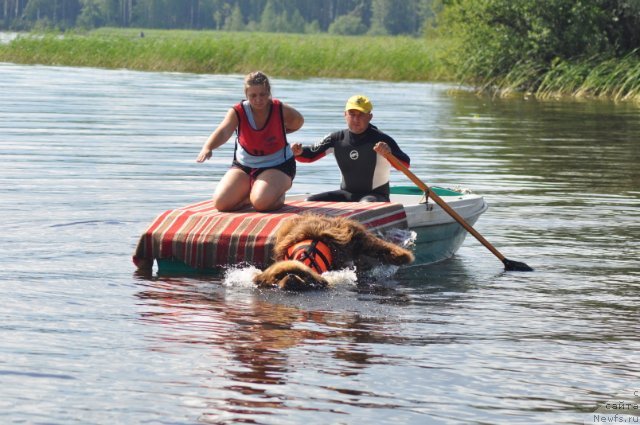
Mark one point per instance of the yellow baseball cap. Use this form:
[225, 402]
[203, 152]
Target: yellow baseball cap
[360, 103]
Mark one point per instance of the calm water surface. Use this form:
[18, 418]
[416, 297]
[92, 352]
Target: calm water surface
[90, 157]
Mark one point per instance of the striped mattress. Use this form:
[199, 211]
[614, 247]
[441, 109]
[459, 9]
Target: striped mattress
[202, 237]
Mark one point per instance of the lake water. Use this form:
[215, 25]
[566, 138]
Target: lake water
[90, 156]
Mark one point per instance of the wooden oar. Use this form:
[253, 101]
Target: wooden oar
[509, 265]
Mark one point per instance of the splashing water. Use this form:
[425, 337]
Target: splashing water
[241, 276]
[402, 237]
[381, 273]
[346, 276]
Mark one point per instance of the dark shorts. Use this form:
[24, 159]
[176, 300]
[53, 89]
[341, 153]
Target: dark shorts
[288, 167]
[344, 196]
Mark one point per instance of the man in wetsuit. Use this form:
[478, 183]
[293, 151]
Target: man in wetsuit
[365, 172]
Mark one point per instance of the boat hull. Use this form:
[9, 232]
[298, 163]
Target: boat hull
[438, 235]
[437, 243]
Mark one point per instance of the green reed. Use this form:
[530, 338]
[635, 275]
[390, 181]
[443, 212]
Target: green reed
[285, 55]
[617, 79]
[598, 77]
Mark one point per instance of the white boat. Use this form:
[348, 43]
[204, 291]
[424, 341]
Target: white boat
[438, 235]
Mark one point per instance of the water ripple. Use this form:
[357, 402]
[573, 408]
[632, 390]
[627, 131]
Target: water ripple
[91, 156]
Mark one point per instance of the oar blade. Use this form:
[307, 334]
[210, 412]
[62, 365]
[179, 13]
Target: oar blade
[515, 266]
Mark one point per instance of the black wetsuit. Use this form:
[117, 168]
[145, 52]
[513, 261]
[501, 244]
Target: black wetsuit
[365, 173]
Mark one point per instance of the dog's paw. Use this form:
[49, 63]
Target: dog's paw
[395, 256]
[400, 256]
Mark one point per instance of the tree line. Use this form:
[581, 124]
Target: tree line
[535, 46]
[531, 44]
[346, 17]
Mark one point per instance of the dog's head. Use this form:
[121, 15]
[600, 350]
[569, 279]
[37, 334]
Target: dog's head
[290, 275]
[313, 253]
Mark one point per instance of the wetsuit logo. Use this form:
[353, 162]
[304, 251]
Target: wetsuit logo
[353, 154]
[316, 147]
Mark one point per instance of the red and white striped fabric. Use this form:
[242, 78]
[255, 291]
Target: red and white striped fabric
[202, 237]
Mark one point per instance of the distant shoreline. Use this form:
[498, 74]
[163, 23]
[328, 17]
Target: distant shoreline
[383, 58]
[216, 52]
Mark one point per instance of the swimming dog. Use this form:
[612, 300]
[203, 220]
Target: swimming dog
[309, 244]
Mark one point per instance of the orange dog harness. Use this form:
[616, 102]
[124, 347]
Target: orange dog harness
[315, 254]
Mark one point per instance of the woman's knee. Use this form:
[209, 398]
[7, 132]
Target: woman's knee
[232, 191]
[267, 202]
[229, 200]
[224, 204]
[268, 191]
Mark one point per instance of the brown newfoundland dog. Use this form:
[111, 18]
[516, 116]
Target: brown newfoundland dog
[309, 244]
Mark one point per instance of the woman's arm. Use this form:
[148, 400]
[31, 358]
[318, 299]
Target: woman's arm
[219, 136]
[293, 120]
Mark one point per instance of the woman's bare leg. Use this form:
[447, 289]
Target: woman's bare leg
[268, 190]
[232, 192]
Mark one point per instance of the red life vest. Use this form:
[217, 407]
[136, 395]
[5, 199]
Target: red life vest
[267, 140]
[315, 254]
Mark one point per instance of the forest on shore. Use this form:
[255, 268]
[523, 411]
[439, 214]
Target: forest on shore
[343, 17]
[544, 48]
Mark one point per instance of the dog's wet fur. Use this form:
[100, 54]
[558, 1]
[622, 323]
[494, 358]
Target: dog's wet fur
[290, 275]
[350, 243]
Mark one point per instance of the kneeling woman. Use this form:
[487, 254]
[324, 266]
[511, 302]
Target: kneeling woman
[263, 165]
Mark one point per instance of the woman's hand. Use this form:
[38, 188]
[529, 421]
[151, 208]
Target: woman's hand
[296, 148]
[204, 154]
[219, 136]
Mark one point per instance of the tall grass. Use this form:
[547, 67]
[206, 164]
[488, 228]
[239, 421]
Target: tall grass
[322, 55]
[286, 55]
[599, 77]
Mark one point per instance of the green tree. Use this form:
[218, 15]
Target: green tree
[293, 22]
[221, 10]
[269, 18]
[39, 9]
[394, 17]
[391, 16]
[380, 10]
[61, 13]
[235, 21]
[623, 26]
[92, 14]
[125, 12]
[347, 25]
[312, 27]
[495, 37]
[110, 10]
